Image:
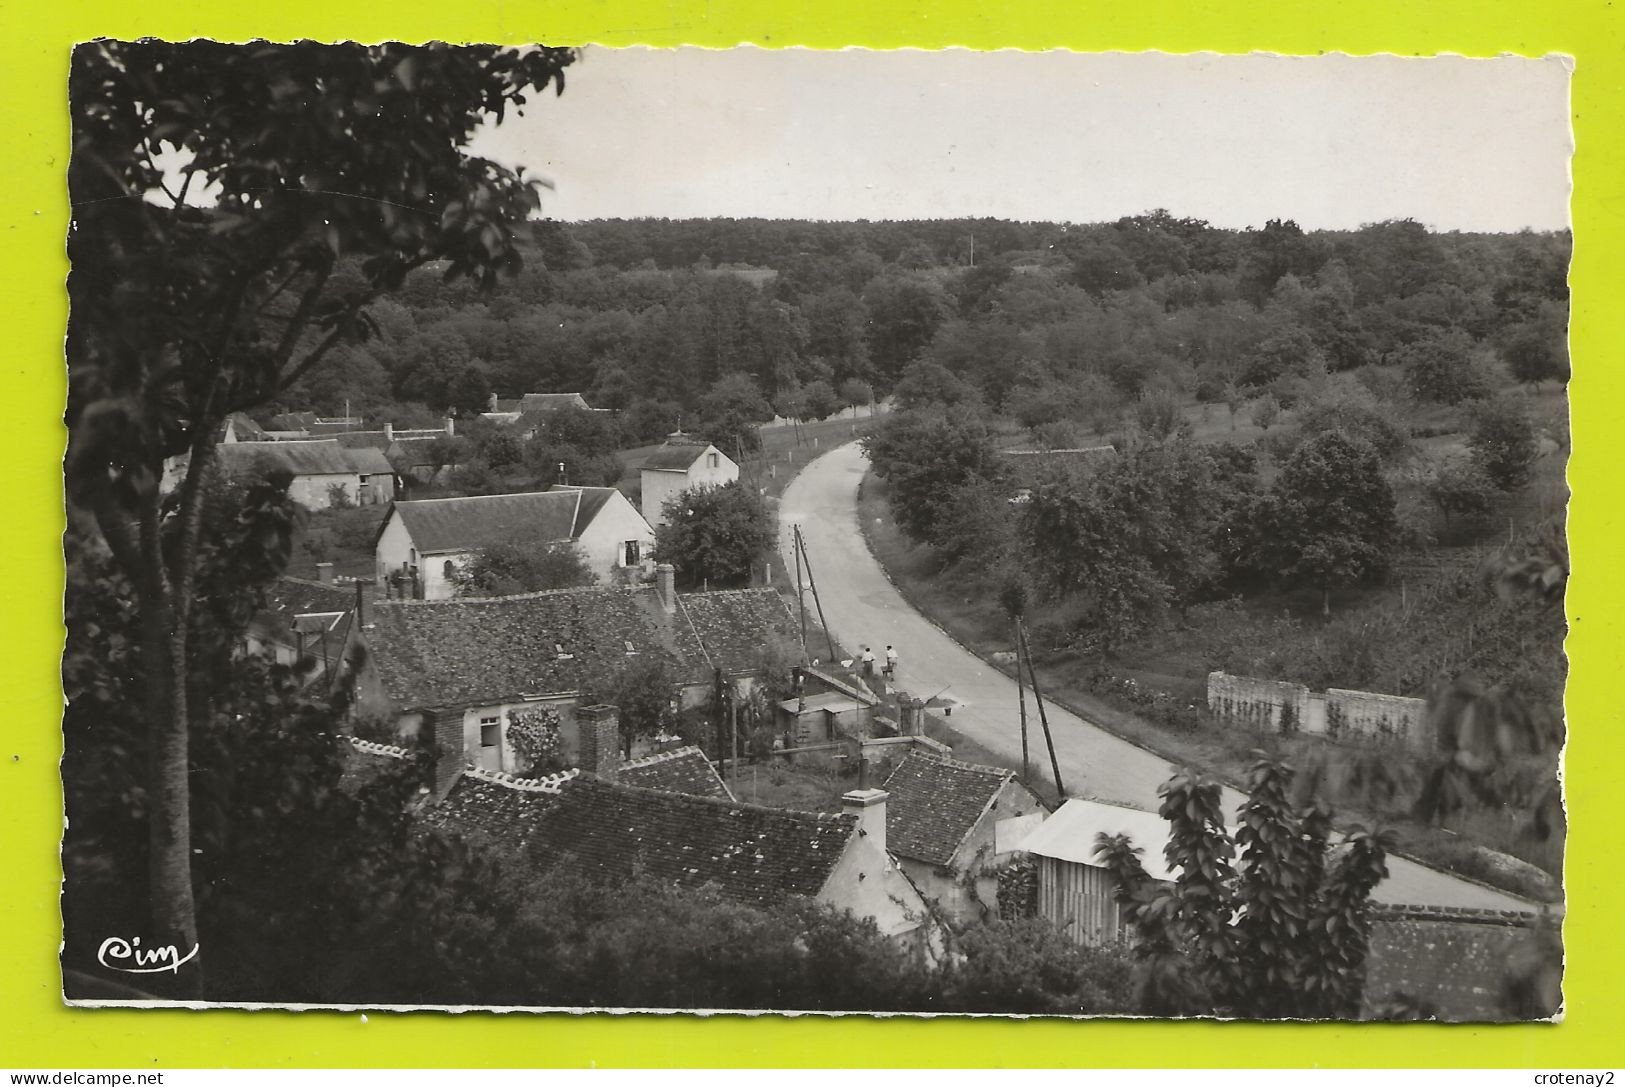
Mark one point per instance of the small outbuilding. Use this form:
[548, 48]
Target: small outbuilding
[1074, 888]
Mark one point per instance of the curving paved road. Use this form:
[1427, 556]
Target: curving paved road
[863, 607]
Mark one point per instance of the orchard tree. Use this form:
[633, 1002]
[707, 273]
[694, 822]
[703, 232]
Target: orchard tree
[1331, 515]
[714, 535]
[925, 457]
[1268, 922]
[235, 210]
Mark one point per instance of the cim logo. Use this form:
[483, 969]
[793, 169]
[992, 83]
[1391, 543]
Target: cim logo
[129, 957]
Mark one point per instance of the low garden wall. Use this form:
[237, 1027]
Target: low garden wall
[1269, 705]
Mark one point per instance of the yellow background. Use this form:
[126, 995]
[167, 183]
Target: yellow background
[36, 1031]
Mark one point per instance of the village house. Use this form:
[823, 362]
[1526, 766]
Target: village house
[681, 464]
[1074, 888]
[598, 826]
[325, 474]
[459, 669]
[950, 824]
[306, 621]
[421, 544]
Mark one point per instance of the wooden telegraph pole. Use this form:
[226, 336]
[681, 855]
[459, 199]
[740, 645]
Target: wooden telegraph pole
[1021, 697]
[1043, 718]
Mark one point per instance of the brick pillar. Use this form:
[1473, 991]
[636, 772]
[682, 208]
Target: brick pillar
[600, 740]
[445, 727]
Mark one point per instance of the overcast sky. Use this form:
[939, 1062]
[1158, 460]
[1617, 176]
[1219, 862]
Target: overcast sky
[1329, 141]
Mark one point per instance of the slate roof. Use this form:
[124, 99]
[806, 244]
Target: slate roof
[750, 853]
[551, 402]
[935, 803]
[292, 420]
[410, 452]
[465, 524]
[364, 439]
[727, 628]
[674, 457]
[246, 429]
[288, 598]
[685, 770]
[302, 458]
[593, 499]
[463, 652]
[370, 461]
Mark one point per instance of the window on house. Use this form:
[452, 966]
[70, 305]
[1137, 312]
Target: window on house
[633, 553]
[711, 460]
[450, 571]
[490, 732]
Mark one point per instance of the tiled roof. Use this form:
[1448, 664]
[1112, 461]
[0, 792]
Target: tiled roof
[1454, 961]
[306, 458]
[482, 652]
[935, 804]
[551, 401]
[685, 770]
[593, 499]
[752, 854]
[727, 629]
[494, 811]
[673, 458]
[465, 524]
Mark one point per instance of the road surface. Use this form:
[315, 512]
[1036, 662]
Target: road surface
[863, 608]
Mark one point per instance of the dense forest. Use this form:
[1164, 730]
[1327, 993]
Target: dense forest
[1047, 321]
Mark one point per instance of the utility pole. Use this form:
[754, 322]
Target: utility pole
[1043, 718]
[1021, 696]
[818, 602]
[801, 592]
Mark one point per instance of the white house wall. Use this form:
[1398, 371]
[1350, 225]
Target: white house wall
[603, 542]
[660, 487]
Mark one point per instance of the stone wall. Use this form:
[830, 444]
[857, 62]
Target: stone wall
[1377, 718]
[1455, 964]
[1266, 705]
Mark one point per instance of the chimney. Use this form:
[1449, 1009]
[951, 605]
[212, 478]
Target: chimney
[389, 432]
[444, 728]
[451, 427]
[912, 712]
[362, 585]
[491, 403]
[869, 805]
[666, 583]
[324, 573]
[600, 740]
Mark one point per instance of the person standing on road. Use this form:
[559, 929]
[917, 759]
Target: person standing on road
[868, 663]
[891, 663]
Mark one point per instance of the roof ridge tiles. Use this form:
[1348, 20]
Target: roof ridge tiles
[660, 756]
[370, 747]
[720, 802]
[960, 764]
[549, 784]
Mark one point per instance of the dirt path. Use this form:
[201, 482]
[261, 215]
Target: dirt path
[863, 608]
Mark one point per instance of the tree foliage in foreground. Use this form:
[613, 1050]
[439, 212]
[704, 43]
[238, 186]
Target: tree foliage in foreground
[306, 180]
[1266, 922]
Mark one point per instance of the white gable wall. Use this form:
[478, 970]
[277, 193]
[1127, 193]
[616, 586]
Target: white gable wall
[661, 487]
[603, 541]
